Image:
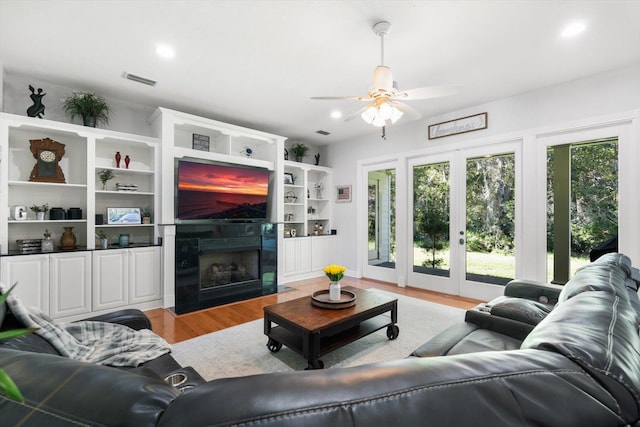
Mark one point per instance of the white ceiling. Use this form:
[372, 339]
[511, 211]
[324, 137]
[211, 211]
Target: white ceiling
[257, 63]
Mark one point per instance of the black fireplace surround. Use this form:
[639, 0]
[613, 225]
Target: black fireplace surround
[219, 263]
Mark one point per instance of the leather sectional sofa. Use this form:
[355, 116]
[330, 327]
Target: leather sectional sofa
[540, 355]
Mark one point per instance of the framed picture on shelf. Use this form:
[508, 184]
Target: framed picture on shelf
[288, 178]
[123, 216]
[200, 142]
[343, 193]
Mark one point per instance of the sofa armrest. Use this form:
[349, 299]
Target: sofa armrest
[545, 293]
[133, 318]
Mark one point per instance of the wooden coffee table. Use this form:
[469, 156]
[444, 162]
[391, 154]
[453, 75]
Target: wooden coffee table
[312, 331]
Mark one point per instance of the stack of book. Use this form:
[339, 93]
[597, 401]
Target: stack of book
[126, 187]
[29, 245]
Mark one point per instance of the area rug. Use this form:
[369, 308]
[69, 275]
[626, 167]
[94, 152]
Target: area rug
[241, 350]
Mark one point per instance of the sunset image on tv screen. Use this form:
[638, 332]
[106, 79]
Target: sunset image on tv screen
[208, 191]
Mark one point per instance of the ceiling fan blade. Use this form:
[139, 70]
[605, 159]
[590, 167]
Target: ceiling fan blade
[428, 92]
[355, 114]
[348, 98]
[410, 113]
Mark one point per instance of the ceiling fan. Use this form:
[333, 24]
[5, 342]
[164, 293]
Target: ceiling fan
[384, 98]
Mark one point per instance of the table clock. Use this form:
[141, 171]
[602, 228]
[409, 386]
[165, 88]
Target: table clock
[48, 154]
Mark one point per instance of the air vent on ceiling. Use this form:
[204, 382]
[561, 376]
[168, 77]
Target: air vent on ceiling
[140, 79]
[322, 132]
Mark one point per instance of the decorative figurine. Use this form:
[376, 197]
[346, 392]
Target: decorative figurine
[317, 157]
[286, 154]
[126, 161]
[37, 109]
[118, 157]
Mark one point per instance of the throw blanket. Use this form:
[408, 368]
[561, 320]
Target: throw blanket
[94, 342]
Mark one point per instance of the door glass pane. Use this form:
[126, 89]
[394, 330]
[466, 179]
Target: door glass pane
[431, 249]
[490, 227]
[381, 218]
[582, 208]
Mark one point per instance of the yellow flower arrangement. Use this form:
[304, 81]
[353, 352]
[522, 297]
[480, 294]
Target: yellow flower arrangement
[334, 272]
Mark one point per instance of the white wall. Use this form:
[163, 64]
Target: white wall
[511, 118]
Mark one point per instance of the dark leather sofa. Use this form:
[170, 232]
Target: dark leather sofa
[522, 359]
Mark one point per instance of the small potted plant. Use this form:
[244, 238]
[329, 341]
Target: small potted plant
[299, 151]
[145, 213]
[104, 239]
[92, 108]
[105, 175]
[46, 245]
[40, 211]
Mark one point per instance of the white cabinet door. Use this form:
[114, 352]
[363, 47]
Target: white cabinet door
[70, 282]
[290, 264]
[144, 274]
[297, 255]
[321, 252]
[110, 278]
[31, 273]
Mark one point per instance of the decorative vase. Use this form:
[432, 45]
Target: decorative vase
[40, 215]
[104, 185]
[334, 291]
[89, 121]
[68, 239]
[46, 245]
[126, 161]
[146, 220]
[118, 157]
[104, 243]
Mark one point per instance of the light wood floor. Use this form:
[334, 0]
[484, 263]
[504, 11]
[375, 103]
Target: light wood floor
[175, 328]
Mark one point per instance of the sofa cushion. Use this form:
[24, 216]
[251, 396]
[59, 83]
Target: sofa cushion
[520, 309]
[598, 331]
[59, 391]
[462, 338]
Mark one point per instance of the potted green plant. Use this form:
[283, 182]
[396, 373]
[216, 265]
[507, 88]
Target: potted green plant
[46, 244]
[145, 213]
[105, 175]
[299, 151]
[92, 108]
[40, 211]
[104, 239]
[7, 386]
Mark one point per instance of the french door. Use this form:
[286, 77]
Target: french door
[381, 222]
[463, 209]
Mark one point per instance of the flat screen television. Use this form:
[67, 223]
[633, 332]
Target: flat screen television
[207, 191]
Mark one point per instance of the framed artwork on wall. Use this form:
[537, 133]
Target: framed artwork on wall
[123, 216]
[343, 193]
[200, 142]
[288, 178]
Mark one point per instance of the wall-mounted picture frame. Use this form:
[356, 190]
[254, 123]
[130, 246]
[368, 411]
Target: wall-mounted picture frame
[200, 142]
[123, 216]
[457, 126]
[288, 178]
[343, 193]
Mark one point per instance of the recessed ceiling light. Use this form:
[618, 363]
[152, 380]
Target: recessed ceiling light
[573, 29]
[336, 114]
[165, 51]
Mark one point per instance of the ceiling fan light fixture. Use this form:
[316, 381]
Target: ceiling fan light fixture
[369, 114]
[397, 114]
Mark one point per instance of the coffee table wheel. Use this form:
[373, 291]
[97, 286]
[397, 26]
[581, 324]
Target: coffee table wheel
[318, 364]
[392, 332]
[273, 345]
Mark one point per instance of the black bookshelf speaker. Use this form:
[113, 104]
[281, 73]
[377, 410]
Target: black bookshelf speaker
[99, 219]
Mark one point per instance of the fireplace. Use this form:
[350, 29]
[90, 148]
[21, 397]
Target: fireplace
[222, 263]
